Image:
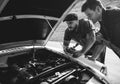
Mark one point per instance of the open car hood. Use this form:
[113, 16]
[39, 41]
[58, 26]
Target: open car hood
[25, 23]
[53, 8]
[30, 21]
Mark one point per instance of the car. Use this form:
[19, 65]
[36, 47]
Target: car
[28, 56]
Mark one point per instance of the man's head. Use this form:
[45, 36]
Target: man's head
[93, 9]
[71, 20]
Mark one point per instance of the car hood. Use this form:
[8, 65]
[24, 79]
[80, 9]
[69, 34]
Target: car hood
[37, 7]
[30, 21]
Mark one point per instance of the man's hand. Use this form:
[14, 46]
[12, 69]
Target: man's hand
[70, 50]
[77, 54]
[92, 58]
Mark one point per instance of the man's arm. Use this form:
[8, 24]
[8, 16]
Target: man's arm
[90, 37]
[97, 51]
[66, 42]
[65, 45]
[90, 40]
[99, 47]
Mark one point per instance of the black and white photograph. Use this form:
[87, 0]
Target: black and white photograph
[59, 41]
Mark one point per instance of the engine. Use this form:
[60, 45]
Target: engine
[43, 67]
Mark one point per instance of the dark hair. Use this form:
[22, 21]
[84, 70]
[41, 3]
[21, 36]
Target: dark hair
[71, 17]
[91, 4]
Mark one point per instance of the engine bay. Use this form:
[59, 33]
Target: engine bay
[43, 67]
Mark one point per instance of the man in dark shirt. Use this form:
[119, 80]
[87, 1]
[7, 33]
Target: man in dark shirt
[109, 20]
[81, 31]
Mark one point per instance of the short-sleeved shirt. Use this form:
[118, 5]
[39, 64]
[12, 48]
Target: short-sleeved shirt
[110, 26]
[79, 32]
